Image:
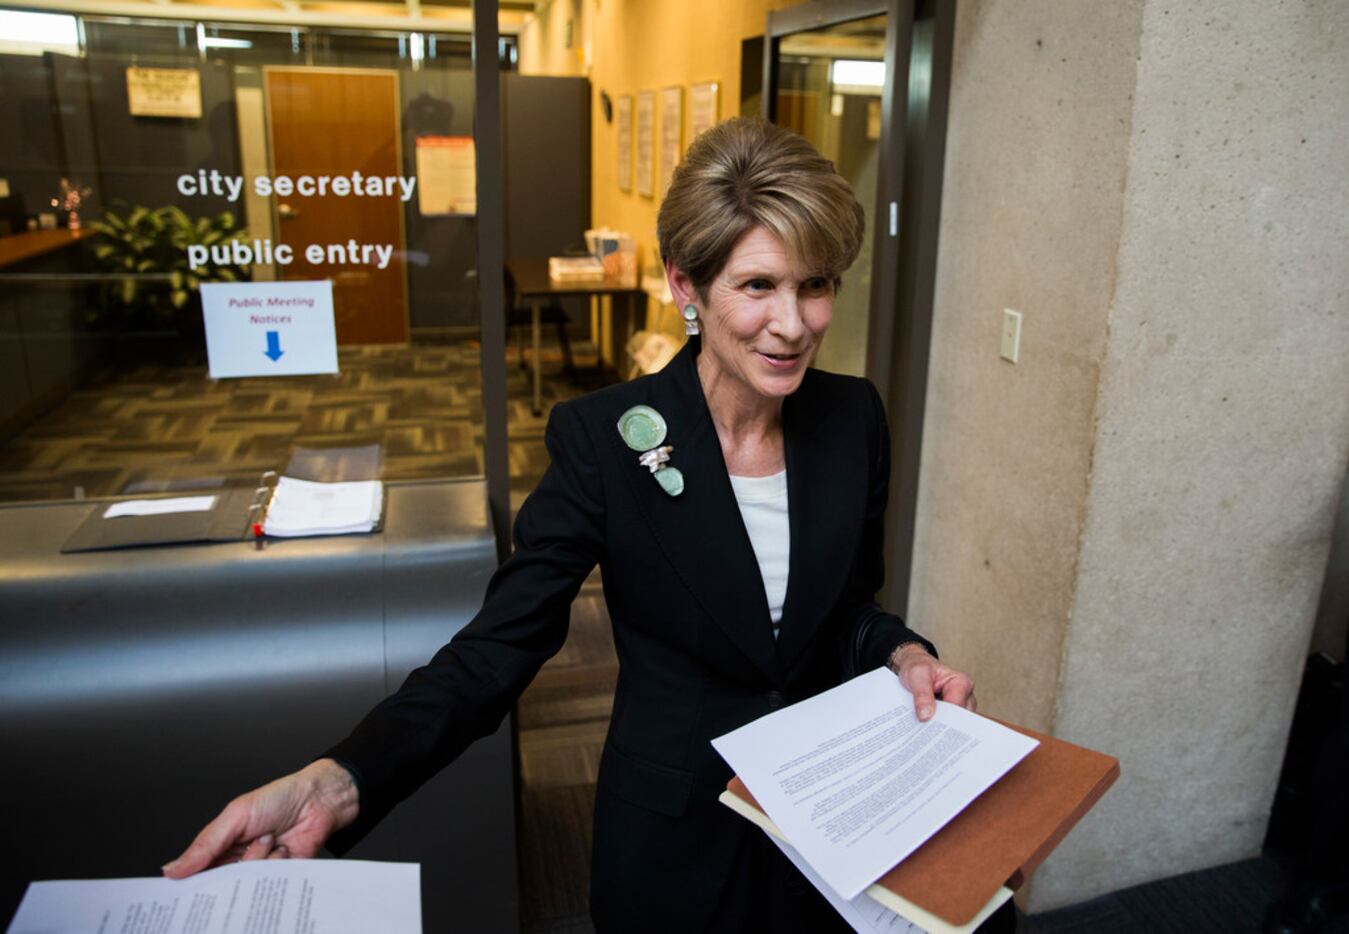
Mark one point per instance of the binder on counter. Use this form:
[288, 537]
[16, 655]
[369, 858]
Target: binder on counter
[995, 843]
[227, 520]
[316, 503]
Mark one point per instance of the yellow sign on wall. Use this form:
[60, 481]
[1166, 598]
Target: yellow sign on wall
[163, 92]
[448, 169]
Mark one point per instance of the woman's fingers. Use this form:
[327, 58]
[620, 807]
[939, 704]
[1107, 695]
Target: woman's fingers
[281, 852]
[260, 848]
[918, 679]
[215, 838]
[232, 855]
[955, 687]
[928, 679]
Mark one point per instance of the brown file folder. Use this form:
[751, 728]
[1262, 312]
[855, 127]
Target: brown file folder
[1005, 833]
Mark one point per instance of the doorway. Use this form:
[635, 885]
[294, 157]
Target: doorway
[336, 122]
[868, 83]
[829, 83]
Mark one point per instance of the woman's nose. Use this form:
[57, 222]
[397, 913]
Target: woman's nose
[787, 320]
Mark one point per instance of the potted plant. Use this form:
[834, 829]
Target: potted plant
[144, 252]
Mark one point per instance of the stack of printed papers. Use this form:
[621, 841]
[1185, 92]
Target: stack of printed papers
[333, 896]
[575, 269]
[303, 507]
[903, 825]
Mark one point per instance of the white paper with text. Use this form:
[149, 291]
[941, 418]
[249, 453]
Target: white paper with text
[159, 507]
[273, 896]
[856, 783]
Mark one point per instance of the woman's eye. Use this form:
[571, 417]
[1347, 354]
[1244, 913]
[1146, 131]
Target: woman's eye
[816, 284]
[758, 285]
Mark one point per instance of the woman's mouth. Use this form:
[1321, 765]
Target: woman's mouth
[781, 361]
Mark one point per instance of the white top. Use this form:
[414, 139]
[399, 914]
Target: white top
[763, 506]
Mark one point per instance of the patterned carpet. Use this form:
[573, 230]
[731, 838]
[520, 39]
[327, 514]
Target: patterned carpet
[562, 720]
[158, 426]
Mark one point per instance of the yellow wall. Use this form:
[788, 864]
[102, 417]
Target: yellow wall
[628, 46]
[646, 45]
[543, 48]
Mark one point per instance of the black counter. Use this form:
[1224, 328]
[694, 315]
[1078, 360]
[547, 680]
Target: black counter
[141, 689]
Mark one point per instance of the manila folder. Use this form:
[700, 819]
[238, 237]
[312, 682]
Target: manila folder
[1002, 836]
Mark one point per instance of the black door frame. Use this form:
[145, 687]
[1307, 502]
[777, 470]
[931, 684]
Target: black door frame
[491, 237]
[918, 41]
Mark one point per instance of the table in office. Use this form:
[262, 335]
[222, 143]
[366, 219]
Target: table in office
[533, 287]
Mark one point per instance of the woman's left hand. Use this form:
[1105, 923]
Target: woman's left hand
[928, 679]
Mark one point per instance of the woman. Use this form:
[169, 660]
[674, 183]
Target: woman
[722, 608]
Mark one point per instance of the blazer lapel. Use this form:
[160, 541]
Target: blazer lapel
[701, 531]
[826, 499]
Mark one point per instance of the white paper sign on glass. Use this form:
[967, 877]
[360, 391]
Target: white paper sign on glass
[269, 328]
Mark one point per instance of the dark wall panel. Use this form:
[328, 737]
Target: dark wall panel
[546, 122]
[442, 252]
[30, 147]
[142, 157]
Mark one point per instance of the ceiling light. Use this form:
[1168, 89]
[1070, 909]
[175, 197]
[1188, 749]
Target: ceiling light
[858, 73]
[219, 42]
[35, 33]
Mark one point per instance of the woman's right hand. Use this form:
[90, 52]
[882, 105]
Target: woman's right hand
[290, 817]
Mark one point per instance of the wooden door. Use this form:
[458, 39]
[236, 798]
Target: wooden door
[333, 123]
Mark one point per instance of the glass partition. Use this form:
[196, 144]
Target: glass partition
[220, 243]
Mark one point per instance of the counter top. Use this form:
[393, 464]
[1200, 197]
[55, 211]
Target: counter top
[28, 244]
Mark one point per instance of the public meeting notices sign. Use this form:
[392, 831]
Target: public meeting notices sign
[269, 328]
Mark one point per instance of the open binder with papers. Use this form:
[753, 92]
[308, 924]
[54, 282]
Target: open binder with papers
[971, 865]
[305, 507]
[324, 491]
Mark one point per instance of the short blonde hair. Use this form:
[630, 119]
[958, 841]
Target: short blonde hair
[747, 173]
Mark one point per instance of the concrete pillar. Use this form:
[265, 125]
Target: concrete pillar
[1124, 535]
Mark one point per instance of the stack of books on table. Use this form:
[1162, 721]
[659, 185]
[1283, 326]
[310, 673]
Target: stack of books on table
[575, 269]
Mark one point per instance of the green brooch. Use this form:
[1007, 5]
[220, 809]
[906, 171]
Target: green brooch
[643, 429]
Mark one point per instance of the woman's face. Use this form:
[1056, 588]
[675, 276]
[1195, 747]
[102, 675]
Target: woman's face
[765, 316]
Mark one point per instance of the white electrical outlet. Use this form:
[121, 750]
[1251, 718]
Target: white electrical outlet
[1011, 334]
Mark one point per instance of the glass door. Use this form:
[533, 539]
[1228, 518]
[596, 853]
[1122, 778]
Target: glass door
[867, 82]
[826, 76]
[829, 83]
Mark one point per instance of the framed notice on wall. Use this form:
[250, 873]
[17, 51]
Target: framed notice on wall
[163, 92]
[646, 143]
[625, 142]
[702, 108]
[447, 175]
[671, 133]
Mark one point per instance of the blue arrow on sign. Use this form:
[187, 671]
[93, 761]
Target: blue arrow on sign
[274, 346]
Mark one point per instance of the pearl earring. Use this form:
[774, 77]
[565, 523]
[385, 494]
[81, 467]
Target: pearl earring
[691, 319]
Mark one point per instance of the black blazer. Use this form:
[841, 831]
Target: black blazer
[691, 626]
